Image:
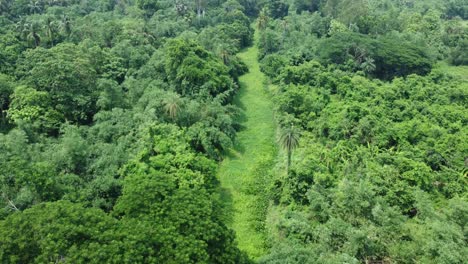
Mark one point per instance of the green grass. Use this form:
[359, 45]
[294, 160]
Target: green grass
[244, 172]
[457, 71]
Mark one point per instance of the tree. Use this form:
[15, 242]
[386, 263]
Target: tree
[289, 141]
[336, 27]
[194, 71]
[67, 75]
[65, 25]
[4, 6]
[32, 108]
[32, 30]
[55, 232]
[172, 105]
[35, 6]
[224, 52]
[168, 190]
[148, 6]
[455, 8]
[272, 65]
[392, 56]
[6, 89]
[368, 65]
[458, 55]
[307, 5]
[262, 20]
[51, 30]
[10, 49]
[277, 9]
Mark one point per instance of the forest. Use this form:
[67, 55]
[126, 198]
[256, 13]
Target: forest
[234, 131]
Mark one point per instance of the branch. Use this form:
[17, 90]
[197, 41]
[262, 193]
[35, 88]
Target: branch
[11, 205]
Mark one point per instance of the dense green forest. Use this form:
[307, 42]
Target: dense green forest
[376, 124]
[137, 131]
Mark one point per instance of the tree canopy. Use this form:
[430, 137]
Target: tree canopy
[114, 117]
[379, 175]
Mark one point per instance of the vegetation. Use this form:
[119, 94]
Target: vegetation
[113, 116]
[289, 141]
[246, 170]
[233, 131]
[379, 174]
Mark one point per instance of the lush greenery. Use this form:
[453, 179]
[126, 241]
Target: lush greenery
[379, 173]
[159, 131]
[245, 172]
[113, 117]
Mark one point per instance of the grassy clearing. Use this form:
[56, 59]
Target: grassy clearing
[457, 71]
[245, 171]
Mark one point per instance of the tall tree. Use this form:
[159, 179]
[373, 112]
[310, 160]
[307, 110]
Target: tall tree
[32, 33]
[172, 104]
[289, 141]
[35, 6]
[50, 27]
[67, 74]
[263, 19]
[65, 25]
[4, 6]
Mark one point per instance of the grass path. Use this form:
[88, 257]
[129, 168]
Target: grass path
[243, 173]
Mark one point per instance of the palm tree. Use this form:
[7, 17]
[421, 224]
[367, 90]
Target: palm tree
[289, 141]
[368, 66]
[263, 19]
[4, 6]
[34, 6]
[224, 52]
[32, 32]
[20, 27]
[284, 25]
[200, 9]
[50, 30]
[65, 25]
[172, 105]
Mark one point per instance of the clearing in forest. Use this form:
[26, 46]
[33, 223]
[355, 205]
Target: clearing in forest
[244, 172]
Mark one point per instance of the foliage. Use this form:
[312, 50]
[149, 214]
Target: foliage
[100, 100]
[66, 74]
[392, 57]
[458, 55]
[456, 8]
[29, 106]
[246, 169]
[193, 71]
[170, 190]
[380, 171]
[6, 89]
[114, 116]
[289, 140]
[60, 231]
[277, 9]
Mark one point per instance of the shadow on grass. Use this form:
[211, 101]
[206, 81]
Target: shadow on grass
[235, 152]
[242, 117]
[238, 149]
[228, 206]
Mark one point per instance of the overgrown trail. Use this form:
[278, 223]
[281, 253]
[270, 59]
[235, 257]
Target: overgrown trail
[244, 172]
